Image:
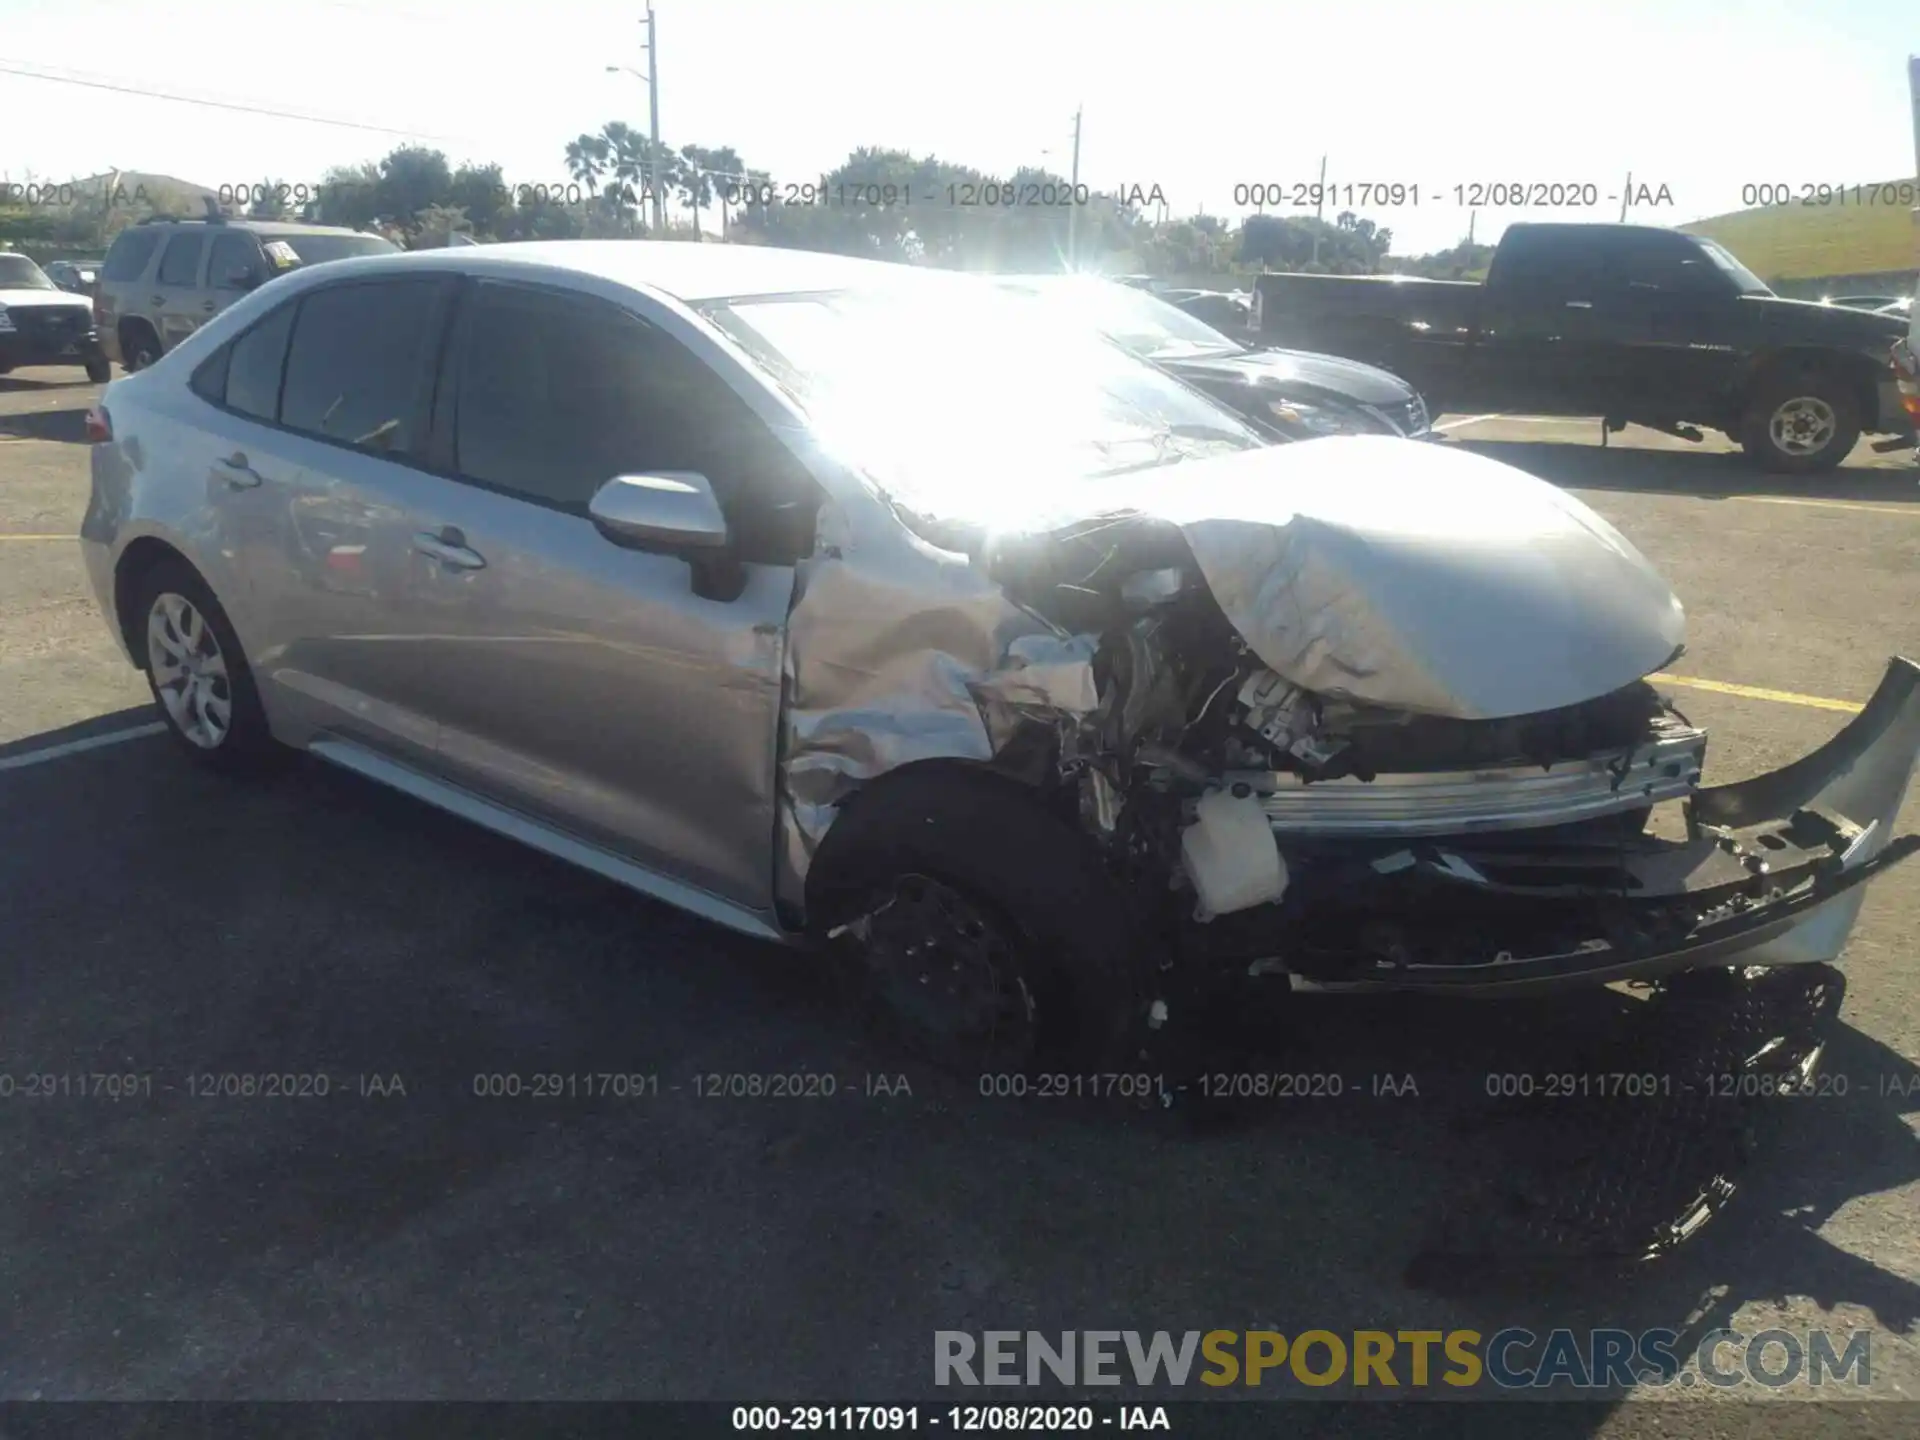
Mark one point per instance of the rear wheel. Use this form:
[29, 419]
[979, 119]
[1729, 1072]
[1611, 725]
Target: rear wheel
[140, 348]
[198, 674]
[99, 371]
[1801, 424]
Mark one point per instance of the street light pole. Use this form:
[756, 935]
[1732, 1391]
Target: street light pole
[1319, 196]
[653, 108]
[1073, 201]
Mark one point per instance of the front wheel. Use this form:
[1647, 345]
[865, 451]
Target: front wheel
[1801, 426]
[198, 674]
[982, 933]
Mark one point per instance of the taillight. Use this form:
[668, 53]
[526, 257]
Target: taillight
[1906, 371]
[99, 425]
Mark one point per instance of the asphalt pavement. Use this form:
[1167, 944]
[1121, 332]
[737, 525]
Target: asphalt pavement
[409, 1233]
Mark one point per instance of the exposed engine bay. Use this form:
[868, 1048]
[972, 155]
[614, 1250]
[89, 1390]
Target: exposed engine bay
[1348, 844]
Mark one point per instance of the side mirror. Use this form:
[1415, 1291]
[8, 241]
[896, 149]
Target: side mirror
[672, 510]
[241, 277]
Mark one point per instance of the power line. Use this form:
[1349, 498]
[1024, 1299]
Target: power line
[14, 68]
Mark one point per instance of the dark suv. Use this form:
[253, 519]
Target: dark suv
[166, 277]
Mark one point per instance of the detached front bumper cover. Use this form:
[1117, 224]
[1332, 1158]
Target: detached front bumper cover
[1770, 874]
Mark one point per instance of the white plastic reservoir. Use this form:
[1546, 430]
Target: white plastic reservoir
[1231, 855]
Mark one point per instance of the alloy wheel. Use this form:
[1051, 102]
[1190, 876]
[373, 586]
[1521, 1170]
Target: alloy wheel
[189, 671]
[1804, 425]
[947, 975]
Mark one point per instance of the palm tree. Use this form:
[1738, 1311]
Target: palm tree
[694, 181]
[726, 170]
[587, 161]
[629, 151]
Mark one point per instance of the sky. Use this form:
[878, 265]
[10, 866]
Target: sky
[1200, 98]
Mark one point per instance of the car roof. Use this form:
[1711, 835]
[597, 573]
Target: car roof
[252, 227]
[688, 271]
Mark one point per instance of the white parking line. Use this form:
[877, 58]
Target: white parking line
[74, 747]
[1462, 424]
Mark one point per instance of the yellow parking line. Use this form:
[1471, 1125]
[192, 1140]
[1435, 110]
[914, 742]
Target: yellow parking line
[39, 537]
[1909, 510]
[1755, 692]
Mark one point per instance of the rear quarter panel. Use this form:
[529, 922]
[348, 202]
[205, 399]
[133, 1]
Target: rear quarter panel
[155, 479]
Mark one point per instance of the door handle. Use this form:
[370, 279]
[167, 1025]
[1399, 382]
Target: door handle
[240, 474]
[450, 549]
[208, 307]
[159, 300]
[1579, 304]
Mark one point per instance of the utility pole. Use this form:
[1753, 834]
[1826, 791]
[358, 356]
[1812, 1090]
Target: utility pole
[1913, 89]
[1073, 199]
[653, 107]
[1319, 196]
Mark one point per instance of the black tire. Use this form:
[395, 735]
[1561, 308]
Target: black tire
[245, 745]
[1812, 404]
[974, 850]
[99, 370]
[139, 348]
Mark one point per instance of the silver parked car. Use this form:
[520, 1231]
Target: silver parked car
[865, 605]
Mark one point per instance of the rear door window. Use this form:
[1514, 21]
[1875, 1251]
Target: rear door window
[359, 370]
[1554, 260]
[258, 360]
[1648, 262]
[128, 257]
[234, 255]
[181, 263]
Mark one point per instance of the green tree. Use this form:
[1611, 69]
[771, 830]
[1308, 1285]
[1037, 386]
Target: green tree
[435, 225]
[692, 182]
[270, 198]
[412, 178]
[349, 195]
[481, 192]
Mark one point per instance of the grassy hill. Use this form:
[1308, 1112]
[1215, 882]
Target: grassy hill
[1809, 242]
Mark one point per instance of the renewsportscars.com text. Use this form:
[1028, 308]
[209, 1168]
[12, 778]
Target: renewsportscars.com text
[1507, 1359]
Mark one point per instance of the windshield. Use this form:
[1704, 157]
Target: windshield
[1145, 324]
[318, 249]
[17, 272]
[940, 389]
[1744, 280]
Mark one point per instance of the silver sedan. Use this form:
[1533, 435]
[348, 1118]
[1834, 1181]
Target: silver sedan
[861, 605]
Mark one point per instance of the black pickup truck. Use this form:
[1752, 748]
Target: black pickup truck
[1632, 323]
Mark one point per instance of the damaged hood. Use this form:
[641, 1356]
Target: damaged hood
[1412, 576]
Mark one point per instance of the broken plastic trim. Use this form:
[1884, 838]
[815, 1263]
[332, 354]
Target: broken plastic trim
[1684, 907]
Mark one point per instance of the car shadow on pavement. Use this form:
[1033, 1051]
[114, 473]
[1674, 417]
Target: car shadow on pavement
[1703, 473]
[513, 1244]
[66, 427]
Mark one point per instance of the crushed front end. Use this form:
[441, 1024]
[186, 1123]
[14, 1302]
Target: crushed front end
[1348, 845]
